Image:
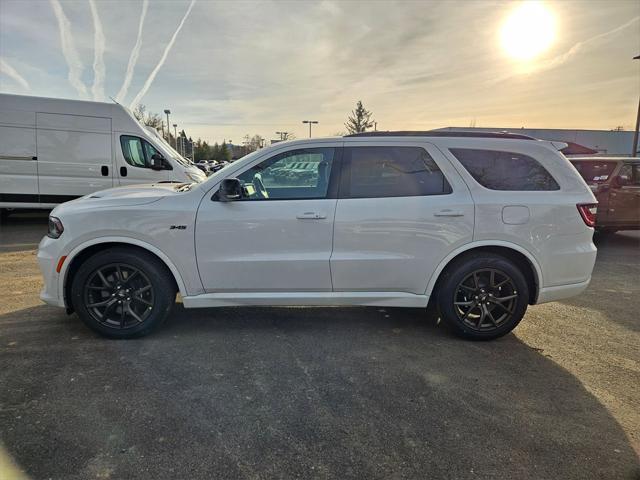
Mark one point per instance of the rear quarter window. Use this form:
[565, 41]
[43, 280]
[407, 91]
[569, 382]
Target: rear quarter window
[498, 170]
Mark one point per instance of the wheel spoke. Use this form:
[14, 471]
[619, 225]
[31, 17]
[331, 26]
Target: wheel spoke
[142, 290]
[466, 314]
[141, 300]
[106, 282]
[122, 316]
[464, 304]
[490, 315]
[504, 299]
[119, 274]
[469, 289]
[475, 280]
[483, 310]
[510, 312]
[103, 303]
[130, 277]
[108, 309]
[133, 314]
[504, 282]
[492, 278]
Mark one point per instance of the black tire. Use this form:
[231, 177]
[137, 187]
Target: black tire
[139, 292]
[457, 288]
[4, 213]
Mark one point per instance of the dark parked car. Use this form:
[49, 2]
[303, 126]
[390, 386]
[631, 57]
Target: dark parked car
[615, 181]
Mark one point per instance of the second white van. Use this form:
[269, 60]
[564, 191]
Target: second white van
[55, 150]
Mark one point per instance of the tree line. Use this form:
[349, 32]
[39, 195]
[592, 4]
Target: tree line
[360, 120]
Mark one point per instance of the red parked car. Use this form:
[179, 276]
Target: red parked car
[615, 181]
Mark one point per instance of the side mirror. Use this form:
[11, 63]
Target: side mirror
[157, 162]
[230, 189]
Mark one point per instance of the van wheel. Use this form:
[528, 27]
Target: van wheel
[123, 293]
[483, 297]
[4, 213]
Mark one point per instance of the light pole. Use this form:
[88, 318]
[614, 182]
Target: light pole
[634, 152]
[167, 112]
[283, 135]
[175, 136]
[310, 122]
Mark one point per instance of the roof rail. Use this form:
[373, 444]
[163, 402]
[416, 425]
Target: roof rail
[440, 133]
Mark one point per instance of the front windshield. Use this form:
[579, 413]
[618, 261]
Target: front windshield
[174, 154]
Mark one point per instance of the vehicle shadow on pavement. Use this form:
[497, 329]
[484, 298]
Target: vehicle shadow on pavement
[294, 392]
[614, 286]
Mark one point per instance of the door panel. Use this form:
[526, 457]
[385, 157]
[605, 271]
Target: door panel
[277, 237]
[18, 157]
[263, 246]
[74, 156]
[394, 243]
[624, 202]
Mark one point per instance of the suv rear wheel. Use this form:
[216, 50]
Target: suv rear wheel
[123, 293]
[483, 297]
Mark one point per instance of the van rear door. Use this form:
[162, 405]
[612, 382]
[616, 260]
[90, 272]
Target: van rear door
[18, 158]
[74, 156]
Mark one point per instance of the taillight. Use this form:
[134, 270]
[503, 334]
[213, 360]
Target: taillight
[588, 213]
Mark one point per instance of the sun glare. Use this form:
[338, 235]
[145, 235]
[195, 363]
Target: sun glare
[528, 31]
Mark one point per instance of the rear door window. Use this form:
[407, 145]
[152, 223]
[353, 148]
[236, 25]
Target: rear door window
[594, 171]
[498, 170]
[373, 172]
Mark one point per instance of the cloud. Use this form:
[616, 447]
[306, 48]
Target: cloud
[133, 58]
[12, 73]
[167, 49]
[598, 39]
[99, 69]
[69, 50]
[572, 52]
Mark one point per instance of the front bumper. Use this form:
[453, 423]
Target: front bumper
[48, 255]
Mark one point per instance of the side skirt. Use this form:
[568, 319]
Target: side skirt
[321, 299]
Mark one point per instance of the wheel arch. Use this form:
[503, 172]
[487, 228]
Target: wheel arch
[522, 257]
[87, 249]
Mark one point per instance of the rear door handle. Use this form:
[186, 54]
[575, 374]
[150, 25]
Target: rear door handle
[311, 216]
[105, 170]
[449, 213]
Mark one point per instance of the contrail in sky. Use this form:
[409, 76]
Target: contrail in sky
[12, 73]
[69, 50]
[98, 54]
[133, 58]
[153, 74]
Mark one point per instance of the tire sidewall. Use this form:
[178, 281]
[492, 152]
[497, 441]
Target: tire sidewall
[458, 272]
[164, 291]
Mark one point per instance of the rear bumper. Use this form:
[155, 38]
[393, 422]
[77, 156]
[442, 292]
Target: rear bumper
[560, 292]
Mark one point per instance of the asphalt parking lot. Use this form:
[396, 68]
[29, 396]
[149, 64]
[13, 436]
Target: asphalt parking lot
[321, 393]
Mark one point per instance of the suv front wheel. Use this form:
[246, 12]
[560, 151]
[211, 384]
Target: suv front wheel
[123, 293]
[483, 297]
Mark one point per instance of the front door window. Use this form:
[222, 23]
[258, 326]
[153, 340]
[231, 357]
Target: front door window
[297, 174]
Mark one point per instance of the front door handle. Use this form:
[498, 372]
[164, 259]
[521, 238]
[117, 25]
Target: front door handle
[123, 171]
[311, 216]
[449, 213]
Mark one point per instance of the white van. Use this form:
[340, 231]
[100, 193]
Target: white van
[54, 150]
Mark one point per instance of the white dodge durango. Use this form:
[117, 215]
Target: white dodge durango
[477, 225]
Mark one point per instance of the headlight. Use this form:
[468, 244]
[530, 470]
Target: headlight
[55, 228]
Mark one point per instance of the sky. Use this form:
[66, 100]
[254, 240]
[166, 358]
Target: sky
[231, 68]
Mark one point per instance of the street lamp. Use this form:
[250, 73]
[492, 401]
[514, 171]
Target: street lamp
[175, 134]
[167, 111]
[283, 135]
[310, 122]
[634, 152]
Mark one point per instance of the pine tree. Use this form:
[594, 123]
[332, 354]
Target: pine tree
[225, 154]
[359, 120]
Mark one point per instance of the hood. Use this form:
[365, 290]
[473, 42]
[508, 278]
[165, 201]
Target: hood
[126, 196]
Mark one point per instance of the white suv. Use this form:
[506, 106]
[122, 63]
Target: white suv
[480, 224]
